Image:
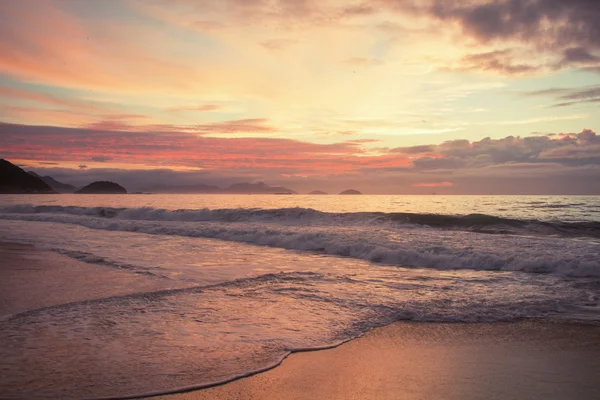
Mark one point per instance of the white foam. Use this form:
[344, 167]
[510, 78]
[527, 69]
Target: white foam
[396, 245]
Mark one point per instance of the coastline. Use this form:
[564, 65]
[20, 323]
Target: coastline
[533, 359]
[32, 278]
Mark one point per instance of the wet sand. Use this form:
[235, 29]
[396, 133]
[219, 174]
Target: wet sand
[407, 360]
[32, 278]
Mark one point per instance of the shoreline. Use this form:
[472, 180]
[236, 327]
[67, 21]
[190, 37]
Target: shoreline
[400, 358]
[33, 278]
[318, 373]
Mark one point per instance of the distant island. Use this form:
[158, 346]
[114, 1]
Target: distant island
[54, 184]
[317, 192]
[236, 188]
[350, 191]
[14, 180]
[102, 187]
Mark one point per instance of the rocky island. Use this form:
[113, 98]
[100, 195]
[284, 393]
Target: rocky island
[350, 191]
[317, 192]
[102, 187]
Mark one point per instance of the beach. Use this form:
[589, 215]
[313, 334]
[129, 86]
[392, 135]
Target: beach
[406, 360]
[533, 358]
[251, 297]
[31, 278]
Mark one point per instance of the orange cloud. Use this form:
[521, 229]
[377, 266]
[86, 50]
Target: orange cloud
[434, 184]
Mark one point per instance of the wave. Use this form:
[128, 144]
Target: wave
[220, 333]
[394, 245]
[482, 223]
[94, 259]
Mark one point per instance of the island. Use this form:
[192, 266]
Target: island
[14, 180]
[317, 192]
[350, 191]
[102, 187]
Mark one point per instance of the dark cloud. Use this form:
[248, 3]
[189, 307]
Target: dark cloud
[553, 23]
[582, 94]
[359, 10]
[579, 55]
[565, 149]
[414, 149]
[440, 163]
[101, 158]
[567, 28]
[569, 96]
[82, 166]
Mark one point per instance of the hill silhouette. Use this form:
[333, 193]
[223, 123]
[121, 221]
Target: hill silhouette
[102, 187]
[350, 191]
[15, 180]
[54, 184]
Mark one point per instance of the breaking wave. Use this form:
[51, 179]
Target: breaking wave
[308, 216]
[411, 240]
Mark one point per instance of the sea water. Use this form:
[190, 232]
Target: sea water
[247, 279]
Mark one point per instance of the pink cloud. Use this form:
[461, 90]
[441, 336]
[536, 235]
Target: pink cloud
[188, 149]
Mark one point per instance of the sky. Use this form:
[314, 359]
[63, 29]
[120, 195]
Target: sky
[383, 96]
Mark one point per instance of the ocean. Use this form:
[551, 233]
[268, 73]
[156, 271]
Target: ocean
[246, 279]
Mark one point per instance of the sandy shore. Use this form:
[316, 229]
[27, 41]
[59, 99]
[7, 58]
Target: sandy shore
[33, 278]
[524, 360]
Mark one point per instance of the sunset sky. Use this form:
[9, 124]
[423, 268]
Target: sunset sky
[405, 96]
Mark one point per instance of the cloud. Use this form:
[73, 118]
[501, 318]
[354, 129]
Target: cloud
[569, 30]
[277, 44]
[546, 22]
[428, 148]
[433, 184]
[552, 163]
[496, 61]
[26, 94]
[239, 126]
[579, 55]
[566, 149]
[101, 158]
[570, 96]
[189, 149]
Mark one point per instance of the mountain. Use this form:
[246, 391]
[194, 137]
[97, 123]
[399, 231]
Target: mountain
[54, 184]
[350, 191]
[102, 187]
[257, 188]
[237, 188]
[318, 192]
[15, 180]
[198, 188]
